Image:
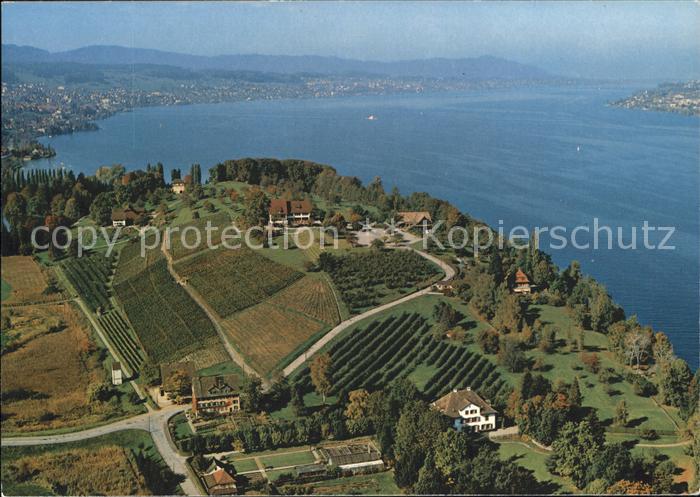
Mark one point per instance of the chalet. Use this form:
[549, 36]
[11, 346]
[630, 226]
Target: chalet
[216, 395]
[410, 219]
[117, 373]
[353, 457]
[290, 212]
[126, 217]
[219, 482]
[522, 283]
[178, 186]
[468, 409]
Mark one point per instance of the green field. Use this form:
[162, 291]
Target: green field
[534, 460]
[5, 289]
[565, 365]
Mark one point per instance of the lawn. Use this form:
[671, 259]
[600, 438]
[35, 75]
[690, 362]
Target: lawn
[280, 458]
[565, 365]
[53, 393]
[5, 290]
[296, 458]
[99, 466]
[534, 460]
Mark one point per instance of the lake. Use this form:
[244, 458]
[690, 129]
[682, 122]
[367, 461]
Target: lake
[533, 157]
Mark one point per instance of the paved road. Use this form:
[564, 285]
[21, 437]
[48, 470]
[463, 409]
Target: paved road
[318, 345]
[154, 422]
[233, 353]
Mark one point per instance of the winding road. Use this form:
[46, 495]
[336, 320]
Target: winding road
[154, 422]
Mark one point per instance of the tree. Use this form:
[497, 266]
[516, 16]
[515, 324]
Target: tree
[430, 480]
[511, 355]
[321, 375]
[590, 361]
[662, 348]
[626, 487]
[638, 345]
[101, 208]
[509, 315]
[662, 479]
[621, 414]
[548, 339]
[298, 406]
[674, 382]
[252, 394]
[255, 208]
[358, 404]
[574, 393]
[72, 210]
[488, 340]
[377, 244]
[575, 450]
[181, 382]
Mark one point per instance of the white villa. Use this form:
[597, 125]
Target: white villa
[467, 409]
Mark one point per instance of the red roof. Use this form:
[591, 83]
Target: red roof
[279, 207]
[521, 278]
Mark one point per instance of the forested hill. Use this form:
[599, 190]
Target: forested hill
[479, 68]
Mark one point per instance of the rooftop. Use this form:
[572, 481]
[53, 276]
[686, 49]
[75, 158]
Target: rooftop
[216, 386]
[351, 454]
[457, 400]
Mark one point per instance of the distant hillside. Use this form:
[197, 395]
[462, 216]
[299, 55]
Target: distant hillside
[484, 67]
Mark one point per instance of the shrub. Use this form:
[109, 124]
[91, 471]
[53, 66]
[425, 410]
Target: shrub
[648, 434]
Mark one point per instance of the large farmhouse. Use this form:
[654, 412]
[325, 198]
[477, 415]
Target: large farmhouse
[215, 395]
[290, 212]
[468, 409]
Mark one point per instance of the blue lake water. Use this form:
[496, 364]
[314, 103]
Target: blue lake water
[536, 157]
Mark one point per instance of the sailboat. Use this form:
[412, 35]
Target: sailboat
[371, 117]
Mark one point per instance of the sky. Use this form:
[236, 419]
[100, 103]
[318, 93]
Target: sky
[586, 39]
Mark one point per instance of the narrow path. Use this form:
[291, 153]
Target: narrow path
[100, 333]
[154, 422]
[666, 446]
[233, 353]
[321, 342]
[261, 468]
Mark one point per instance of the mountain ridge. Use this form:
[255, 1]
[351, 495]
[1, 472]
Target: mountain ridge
[482, 67]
